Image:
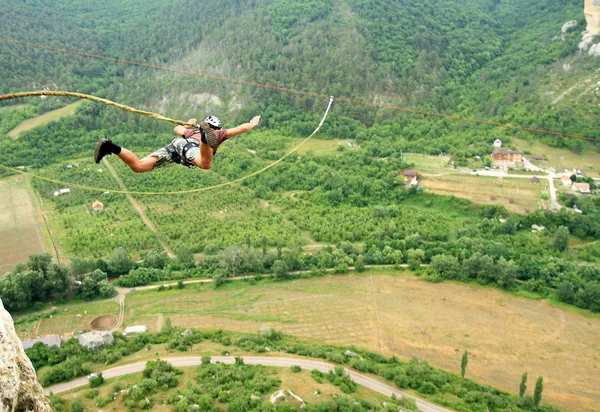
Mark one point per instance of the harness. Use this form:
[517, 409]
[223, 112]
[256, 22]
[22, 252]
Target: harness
[208, 137]
[182, 160]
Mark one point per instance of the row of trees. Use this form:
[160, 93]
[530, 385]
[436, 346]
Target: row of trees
[42, 280]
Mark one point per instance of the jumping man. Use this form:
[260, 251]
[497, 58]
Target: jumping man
[195, 148]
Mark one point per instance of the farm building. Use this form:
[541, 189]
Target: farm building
[410, 176]
[537, 158]
[97, 206]
[64, 191]
[50, 340]
[136, 329]
[581, 187]
[566, 181]
[498, 143]
[534, 180]
[507, 157]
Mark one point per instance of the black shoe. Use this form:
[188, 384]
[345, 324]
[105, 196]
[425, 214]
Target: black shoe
[103, 148]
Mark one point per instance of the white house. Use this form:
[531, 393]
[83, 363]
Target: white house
[135, 329]
[497, 143]
[566, 181]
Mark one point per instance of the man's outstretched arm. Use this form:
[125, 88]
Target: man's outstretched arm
[180, 130]
[243, 128]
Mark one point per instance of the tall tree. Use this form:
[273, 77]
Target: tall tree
[561, 239]
[463, 363]
[539, 388]
[523, 385]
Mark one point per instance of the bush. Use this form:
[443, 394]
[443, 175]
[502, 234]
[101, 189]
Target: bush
[77, 406]
[428, 388]
[295, 368]
[92, 394]
[97, 381]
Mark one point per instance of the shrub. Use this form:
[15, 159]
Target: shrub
[92, 394]
[97, 381]
[295, 368]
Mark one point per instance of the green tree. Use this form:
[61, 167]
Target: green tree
[156, 259]
[415, 258]
[444, 267]
[463, 363]
[280, 269]
[561, 239]
[39, 263]
[539, 388]
[359, 265]
[119, 262]
[185, 256]
[523, 385]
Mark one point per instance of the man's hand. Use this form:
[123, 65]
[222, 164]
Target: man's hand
[193, 121]
[255, 120]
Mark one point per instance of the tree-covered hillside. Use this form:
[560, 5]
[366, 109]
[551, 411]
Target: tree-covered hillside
[481, 58]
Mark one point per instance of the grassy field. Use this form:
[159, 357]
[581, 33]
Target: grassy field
[429, 164]
[73, 318]
[480, 189]
[316, 146]
[506, 335]
[302, 384]
[20, 234]
[48, 117]
[588, 163]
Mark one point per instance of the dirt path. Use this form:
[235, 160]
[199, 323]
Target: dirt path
[376, 315]
[361, 379]
[159, 322]
[570, 89]
[138, 208]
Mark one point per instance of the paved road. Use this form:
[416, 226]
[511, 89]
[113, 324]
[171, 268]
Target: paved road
[359, 378]
[553, 202]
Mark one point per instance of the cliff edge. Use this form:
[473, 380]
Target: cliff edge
[19, 388]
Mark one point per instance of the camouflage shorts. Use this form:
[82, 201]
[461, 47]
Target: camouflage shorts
[179, 143]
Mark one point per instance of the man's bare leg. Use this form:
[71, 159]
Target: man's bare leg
[137, 165]
[204, 161]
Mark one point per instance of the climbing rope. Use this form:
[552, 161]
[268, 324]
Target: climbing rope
[93, 98]
[155, 116]
[304, 92]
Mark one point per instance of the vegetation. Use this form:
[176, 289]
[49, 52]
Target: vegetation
[485, 59]
[233, 384]
[42, 280]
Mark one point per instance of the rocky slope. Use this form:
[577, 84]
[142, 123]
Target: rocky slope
[19, 388]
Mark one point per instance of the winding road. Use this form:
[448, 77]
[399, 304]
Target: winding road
[363, 380]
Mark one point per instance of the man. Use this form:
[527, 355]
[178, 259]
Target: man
[195, 148]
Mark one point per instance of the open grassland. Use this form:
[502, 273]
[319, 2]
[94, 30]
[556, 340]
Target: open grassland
[480, 190]
[505, 335]
[301, 383]
[73, 318]
[430, 165]
[20, 234]
[317, 146]
[45, 118]
[588, 163]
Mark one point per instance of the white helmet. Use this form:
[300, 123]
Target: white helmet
[213, 121]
